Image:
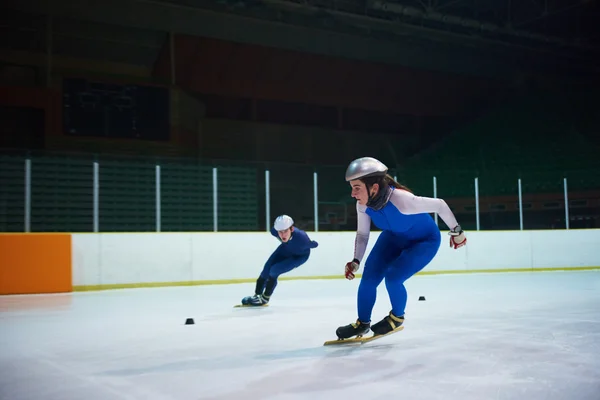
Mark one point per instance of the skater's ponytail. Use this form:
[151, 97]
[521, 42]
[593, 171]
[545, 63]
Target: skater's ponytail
[390, 181]
[383, 182]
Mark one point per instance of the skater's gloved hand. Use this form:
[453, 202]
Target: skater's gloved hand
[457, 237]
[351, 268]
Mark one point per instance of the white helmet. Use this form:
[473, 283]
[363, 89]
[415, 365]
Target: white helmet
[365, 167]
[283, 222]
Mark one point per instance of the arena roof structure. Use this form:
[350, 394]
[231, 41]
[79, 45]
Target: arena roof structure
[478, 37]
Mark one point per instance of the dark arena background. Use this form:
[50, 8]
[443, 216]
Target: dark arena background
[444, 90]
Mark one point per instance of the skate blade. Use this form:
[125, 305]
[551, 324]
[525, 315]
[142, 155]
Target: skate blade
[249, 306]
[362, 339]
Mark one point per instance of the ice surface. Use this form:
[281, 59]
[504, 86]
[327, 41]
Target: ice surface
[487, 336]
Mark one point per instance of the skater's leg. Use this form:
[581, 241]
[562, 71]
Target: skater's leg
[262, 280]
[279, 269]
[367, 289]
[413, 259]
[274, 259]
[385, 250]
[260, 285]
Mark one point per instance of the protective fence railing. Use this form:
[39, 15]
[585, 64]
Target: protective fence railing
[60, 192]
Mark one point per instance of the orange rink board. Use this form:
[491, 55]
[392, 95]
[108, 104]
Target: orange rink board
[32, 263]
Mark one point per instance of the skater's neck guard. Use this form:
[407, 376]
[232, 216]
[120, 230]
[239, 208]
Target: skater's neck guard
[382, 197]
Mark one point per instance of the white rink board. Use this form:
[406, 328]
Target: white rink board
[138, 258]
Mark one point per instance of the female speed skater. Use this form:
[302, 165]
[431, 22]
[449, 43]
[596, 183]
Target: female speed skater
[409, 240]
[293, 251]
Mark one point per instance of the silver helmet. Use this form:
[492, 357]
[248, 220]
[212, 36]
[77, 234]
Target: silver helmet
[283, 222]
[365, 167]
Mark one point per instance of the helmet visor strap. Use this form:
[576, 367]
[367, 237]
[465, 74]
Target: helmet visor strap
[369, 191]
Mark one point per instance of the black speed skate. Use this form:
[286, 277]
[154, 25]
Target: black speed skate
[356, 329]
[256, 300]
[388, 324]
